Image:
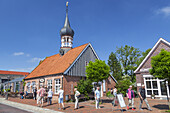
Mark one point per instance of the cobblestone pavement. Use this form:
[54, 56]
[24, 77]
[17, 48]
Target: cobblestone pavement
[158, 106]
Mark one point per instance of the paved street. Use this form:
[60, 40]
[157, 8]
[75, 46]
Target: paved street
[9, 109]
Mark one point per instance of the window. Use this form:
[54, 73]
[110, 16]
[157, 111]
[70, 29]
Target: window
[28, 87]
[49, 84]
[151, 86]
[57, 85]
[33, 84]
[17, 87]
[86, 63]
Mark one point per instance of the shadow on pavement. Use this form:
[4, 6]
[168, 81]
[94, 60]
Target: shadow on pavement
[161, 106]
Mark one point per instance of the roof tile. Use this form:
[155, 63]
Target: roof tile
[56, 64]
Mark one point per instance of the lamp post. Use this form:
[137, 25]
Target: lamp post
[167, 90]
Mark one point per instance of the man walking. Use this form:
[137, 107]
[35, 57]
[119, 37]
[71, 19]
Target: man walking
[97, 97]
[77, 94]
[60, 98]
[142, 96]
[130, 95]
[41, 93]
[35, 93]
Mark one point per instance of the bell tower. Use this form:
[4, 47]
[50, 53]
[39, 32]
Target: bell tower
[66, 34]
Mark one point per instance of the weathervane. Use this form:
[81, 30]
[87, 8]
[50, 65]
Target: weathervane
[67, 8]
[67, 3]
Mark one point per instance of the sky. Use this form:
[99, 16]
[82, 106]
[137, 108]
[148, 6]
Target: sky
[29, 29]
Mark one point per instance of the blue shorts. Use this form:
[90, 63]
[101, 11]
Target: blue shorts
[60, 100]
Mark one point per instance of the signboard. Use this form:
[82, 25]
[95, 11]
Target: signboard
[42, 80]
[121, 100]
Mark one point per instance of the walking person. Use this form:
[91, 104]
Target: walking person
[34, 93]
[97, 97]
[50, 95]
[41, 93]
[130, 95]
[60, 98]
[115, 96]
[77, 95]
[142, 95]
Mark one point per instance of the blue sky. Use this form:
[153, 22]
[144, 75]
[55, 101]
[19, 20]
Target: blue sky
[29, 29]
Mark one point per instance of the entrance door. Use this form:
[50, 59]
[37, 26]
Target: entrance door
[163, 88]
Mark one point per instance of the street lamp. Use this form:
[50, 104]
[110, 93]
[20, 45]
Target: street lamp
[167, 90]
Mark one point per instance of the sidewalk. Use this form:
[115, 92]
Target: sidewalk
[26, 107]
[158, 106]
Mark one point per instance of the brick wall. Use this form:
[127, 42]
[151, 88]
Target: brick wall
[69, 83]
[147, 64]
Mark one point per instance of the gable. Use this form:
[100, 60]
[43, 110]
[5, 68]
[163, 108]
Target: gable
[146, 63]
[56, 64]
[78, 68]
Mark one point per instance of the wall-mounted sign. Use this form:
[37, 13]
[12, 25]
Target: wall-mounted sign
[42, 80]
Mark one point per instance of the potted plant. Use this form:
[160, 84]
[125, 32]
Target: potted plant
[152, 96]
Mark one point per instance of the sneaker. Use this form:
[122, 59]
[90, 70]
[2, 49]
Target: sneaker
[63, 108]
[141, 109]
[133, 109]
[150, 109]
[127, 107]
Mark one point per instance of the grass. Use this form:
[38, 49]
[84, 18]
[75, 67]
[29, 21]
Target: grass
[167, 111]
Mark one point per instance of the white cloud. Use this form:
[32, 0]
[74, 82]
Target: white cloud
[35, 59]
[22, 69]
[165, 11]
[18, 53]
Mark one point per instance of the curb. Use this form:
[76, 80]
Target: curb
[27, 107]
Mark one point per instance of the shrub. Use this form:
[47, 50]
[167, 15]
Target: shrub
[108, 93]
[85, 87]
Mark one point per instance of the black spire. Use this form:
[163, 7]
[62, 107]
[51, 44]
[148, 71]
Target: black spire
[66, 30]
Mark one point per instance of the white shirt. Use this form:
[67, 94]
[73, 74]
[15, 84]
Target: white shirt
[50, 93]
[115, 91]
[97, 94]
[60, 92]
[76, 94]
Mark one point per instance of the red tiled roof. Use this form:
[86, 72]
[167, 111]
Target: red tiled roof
[56, 64]
[13, 72]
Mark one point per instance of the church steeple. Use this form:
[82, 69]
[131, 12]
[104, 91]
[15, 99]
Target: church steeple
[66, 34]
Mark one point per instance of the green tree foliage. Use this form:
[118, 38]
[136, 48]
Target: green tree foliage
[144, 54]
[128, 56]
[84, 87]
[97, 71]
[115, 66]
[124, 84]
[161, 66]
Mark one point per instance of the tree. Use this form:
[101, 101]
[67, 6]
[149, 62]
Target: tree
[84, 87]
[97, 71]
[144, 54]
[124, 84]
[115, 66]
[128, 57]
[161, 66]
